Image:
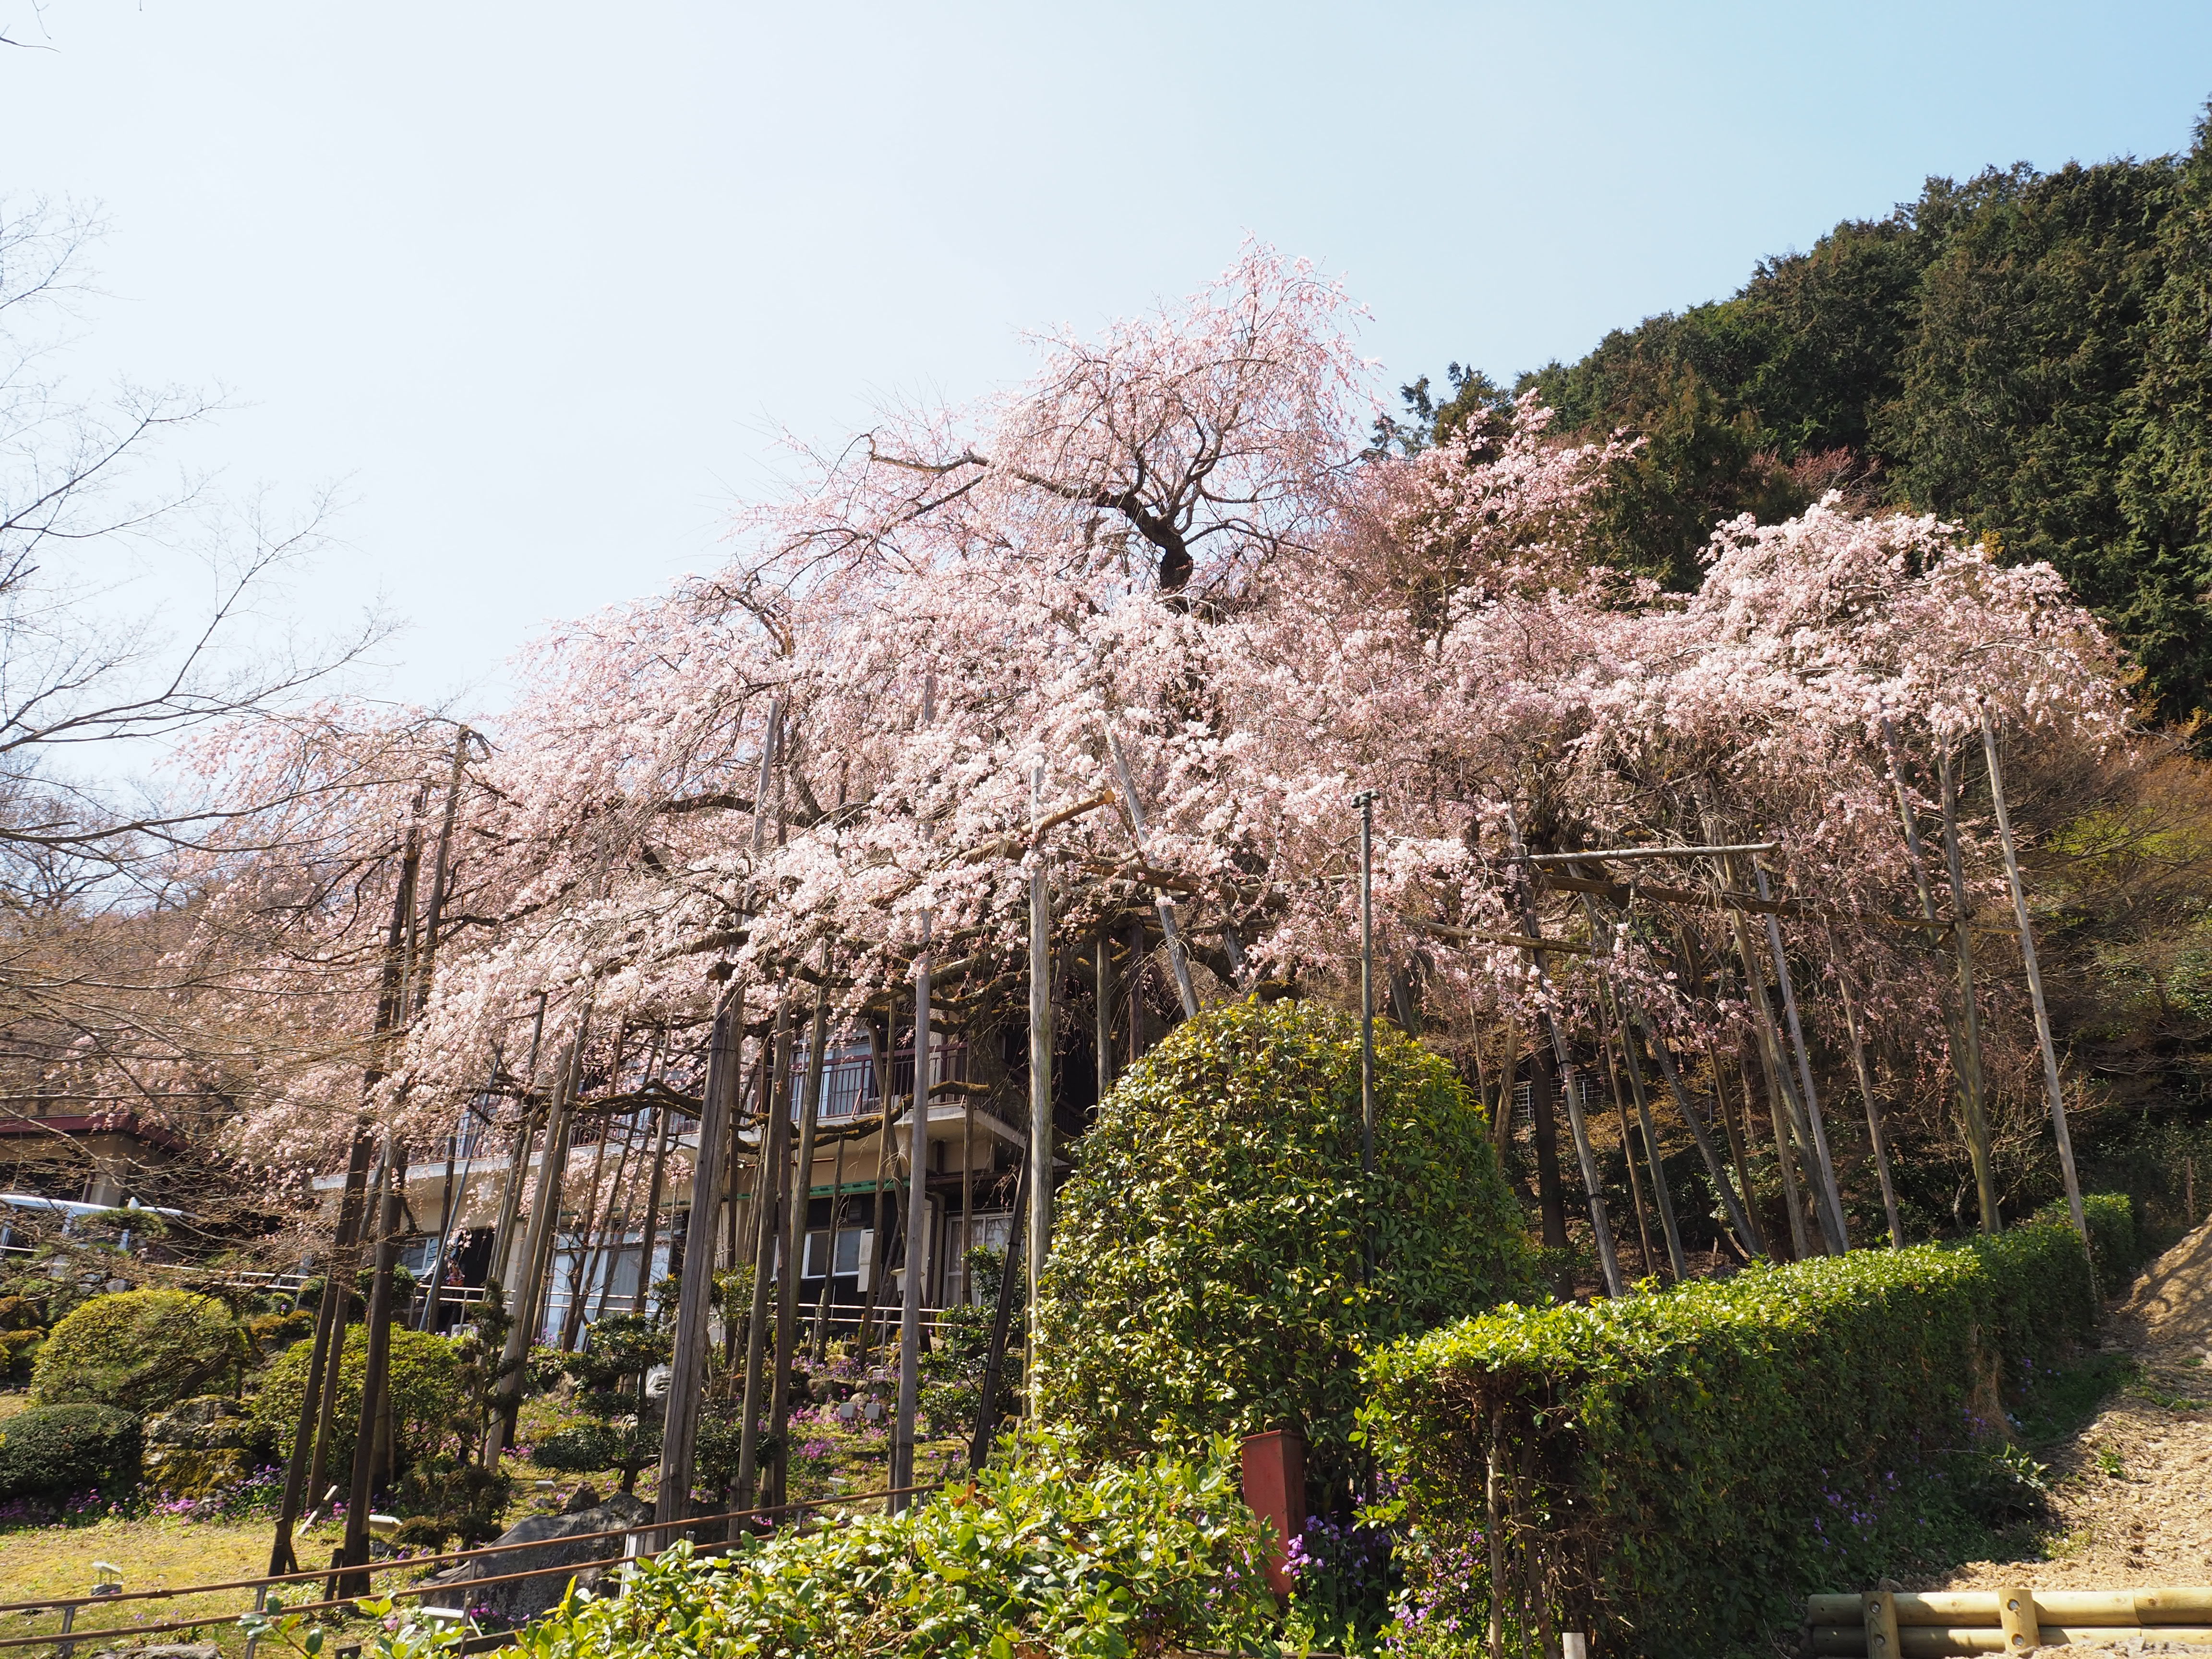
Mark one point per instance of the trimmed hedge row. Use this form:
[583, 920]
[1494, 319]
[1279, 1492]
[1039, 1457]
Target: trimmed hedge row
[1694, 1459]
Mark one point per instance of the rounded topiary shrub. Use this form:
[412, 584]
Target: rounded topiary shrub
[427, 1395]
[1208, 1273]
[56, 1452]
[143, 1351]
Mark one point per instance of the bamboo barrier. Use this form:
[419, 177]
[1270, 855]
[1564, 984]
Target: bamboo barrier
[1881, 1624]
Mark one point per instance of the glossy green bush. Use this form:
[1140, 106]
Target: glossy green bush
[58, 1452]
[427, 1398]
[1206, 1274]
[140, 1351]
[1703, 1455]
[1044, 1554]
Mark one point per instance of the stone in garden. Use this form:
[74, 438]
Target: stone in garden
[564, 1544]
[198, 1447]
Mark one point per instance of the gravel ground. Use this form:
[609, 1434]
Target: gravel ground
[2132, 1488]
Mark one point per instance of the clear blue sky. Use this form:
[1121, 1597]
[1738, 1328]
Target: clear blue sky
[537, 282]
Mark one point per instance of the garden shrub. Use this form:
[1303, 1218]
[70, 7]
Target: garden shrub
[1042, 1555]
[428, 1398]
[51, 1453]
[1207, 1272]
[141, 1351]
[1696, 1458]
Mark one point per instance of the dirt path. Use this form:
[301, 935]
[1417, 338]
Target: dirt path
[2133, 1490]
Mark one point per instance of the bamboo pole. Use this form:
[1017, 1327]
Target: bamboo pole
[795, 1234]
[1875, 1132]
[1040, 1128]
[2050, 1079]
[1830, 1194]
[917, 1237]
[1570, 1086]
[687, 1376]
[1974, 1083]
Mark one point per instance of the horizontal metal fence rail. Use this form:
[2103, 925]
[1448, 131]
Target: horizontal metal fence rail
[68, 1605]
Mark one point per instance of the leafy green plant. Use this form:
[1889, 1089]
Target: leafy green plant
[1046, 1554]
[1210, 1267]
[1697, 1456]
[55, 1452]
[429, 1402]
[620, 1428]
[401, 1631]
[141, 1351]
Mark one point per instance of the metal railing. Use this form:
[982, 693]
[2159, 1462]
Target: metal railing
[68, 1637]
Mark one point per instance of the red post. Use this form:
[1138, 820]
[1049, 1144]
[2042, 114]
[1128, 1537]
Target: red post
[1274, 1482]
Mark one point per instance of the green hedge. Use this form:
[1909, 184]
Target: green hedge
[1206, 1274]
[427, 1395]
[141, 1350]
[58, 1452]
[1694, 1459]
[1042, 1555]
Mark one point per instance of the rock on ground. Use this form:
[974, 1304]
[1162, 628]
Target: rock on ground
[523, 1599]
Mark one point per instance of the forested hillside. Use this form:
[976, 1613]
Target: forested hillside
[2028, 353]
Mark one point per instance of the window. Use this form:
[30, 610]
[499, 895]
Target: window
[849, 1251]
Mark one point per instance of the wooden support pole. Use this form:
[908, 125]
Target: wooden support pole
[2052, 1084]
[1746, 1231]
[1829, 1194]
[588, 1219]
[687, 1370]
[1973, 1080]
[994, 1358]
[1677, 1257]
[773, 1167]
[1628, 1156]
[640, 1301]
[501, 1267]
[1103, 1014]
[917, 1238]
[794, 1236]
[1041, 1127]
[1163, 901]
[878, 1220]
[1570, 1086]
[1876, 1134]
[1780, 1099]
[829, 1266]
[376, 1365]
[537, 1244]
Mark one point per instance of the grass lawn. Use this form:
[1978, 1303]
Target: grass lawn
[155, 1554]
